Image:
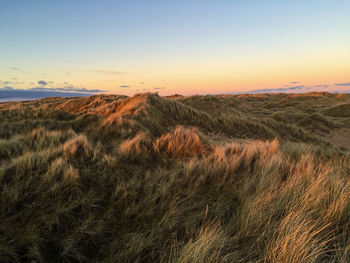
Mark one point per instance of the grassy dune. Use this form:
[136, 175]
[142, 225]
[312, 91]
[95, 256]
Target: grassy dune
[245, 178]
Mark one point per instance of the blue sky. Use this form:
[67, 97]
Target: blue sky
[175, 46]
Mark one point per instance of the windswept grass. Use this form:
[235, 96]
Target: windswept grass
[78, 147]
[247, 178]
[139, 147]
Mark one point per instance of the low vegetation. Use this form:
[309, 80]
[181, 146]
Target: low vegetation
[245, 178]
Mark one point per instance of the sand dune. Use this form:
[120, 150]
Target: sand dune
[241, 178]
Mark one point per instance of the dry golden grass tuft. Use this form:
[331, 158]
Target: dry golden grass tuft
[137, 147]
[299, 240]
[78, 147]
[182, 142]
[60, 169]
[210, 245]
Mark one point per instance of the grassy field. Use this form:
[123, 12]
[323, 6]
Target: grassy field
[244, 178]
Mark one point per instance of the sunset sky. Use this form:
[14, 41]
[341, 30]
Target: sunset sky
[183, 46]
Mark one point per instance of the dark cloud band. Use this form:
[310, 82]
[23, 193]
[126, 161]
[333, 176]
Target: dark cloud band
[346, 84]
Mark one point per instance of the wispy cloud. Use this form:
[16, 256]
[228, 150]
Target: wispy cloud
[125, 86]
[301, 87]
[296, 87]
[7, 82]
[345, 84]
[68, 89]
[109, 72]
[294, 82]
[158, 88]
[321, 86]
[14, 68]
[72, 88]
[142, 90]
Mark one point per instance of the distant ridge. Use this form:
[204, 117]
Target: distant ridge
[253, 116]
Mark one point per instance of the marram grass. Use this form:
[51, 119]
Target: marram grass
[198, 179]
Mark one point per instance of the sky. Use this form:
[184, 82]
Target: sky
[184, 46]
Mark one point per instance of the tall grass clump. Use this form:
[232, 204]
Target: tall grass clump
[209, 245]
[61, 170]
[139, 147]
[42, 138]
[78, 147]
[182, 142]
